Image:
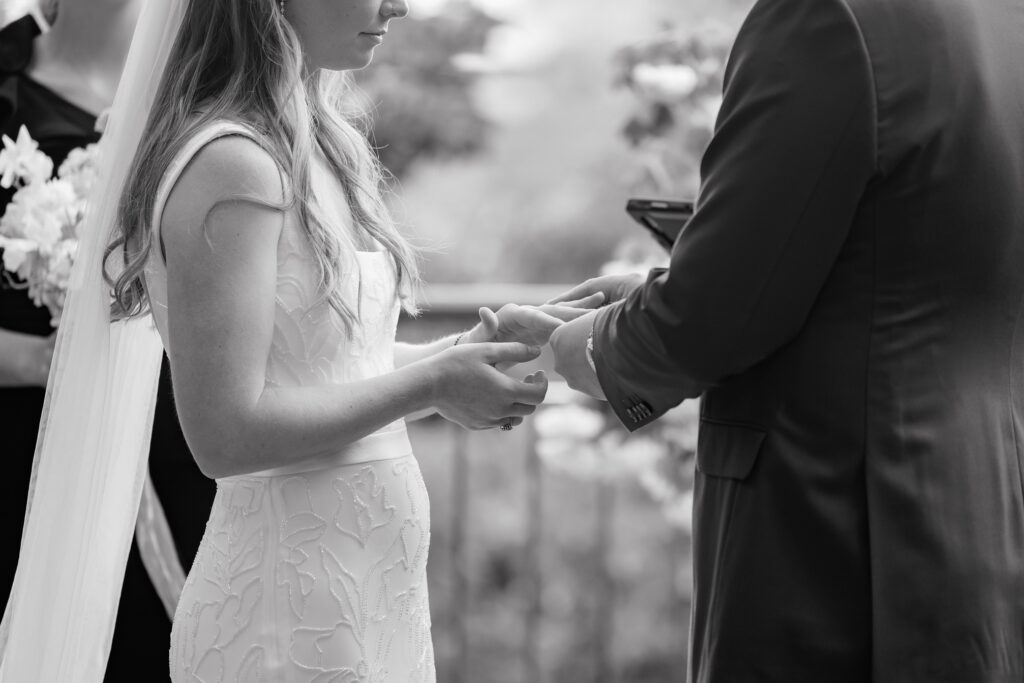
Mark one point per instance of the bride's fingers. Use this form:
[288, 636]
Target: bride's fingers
[506, 423]
[521, 410]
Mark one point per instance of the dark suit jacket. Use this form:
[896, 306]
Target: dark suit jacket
[848, 300]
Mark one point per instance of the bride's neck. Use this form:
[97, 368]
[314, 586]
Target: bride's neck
[82, 56]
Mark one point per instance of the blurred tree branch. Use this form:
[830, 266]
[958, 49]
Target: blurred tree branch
[676, 80]
[420, 102]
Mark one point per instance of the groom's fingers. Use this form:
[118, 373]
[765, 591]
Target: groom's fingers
[542, 317]
[580, 291]
[591, 301]
[567, 311]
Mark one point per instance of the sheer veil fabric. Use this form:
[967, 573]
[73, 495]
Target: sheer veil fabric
[90, 461]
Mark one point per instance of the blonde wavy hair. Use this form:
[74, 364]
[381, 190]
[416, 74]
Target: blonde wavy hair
[240, 60]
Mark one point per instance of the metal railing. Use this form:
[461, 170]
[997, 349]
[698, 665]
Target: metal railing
[536, 575]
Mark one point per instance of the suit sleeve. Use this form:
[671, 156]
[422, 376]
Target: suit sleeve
[792, 154]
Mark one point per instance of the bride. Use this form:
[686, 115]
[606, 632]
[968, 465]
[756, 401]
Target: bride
[251, 226]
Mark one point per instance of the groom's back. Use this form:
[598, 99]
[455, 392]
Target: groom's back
[949, 79]
[945, 373]
[878, 521]
[943, 227]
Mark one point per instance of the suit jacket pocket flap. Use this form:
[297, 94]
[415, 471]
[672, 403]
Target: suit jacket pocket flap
[727, 450]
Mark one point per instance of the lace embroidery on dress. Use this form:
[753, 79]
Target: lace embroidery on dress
[315, 575]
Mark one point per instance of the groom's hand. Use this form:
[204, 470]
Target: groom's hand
[532, 325]
[569, 342]
[606, 289]
[471, 392]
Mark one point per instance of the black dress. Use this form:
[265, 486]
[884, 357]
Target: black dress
[142, 633]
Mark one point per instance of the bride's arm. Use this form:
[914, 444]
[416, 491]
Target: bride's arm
[222, 271]
[406, 354]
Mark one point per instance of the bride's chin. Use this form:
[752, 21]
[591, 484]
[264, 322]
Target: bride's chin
[349, 62]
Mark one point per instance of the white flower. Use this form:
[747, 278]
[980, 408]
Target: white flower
[38, 230]
[79, 169]
[21, 160]
[16, 251]
[41, 212]
[665, 82]
[63, 257]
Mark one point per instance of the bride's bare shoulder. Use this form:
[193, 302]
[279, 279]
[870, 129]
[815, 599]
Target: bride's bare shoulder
[227, 169]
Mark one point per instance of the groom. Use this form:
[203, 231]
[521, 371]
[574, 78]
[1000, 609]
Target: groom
[849, 301]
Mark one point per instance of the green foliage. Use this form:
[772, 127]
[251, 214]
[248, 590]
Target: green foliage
[677, 83]
[421, 102]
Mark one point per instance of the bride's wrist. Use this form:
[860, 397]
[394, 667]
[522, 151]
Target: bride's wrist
[429, 381]
[474, 335]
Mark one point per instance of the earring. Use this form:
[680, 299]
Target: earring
[280, 4]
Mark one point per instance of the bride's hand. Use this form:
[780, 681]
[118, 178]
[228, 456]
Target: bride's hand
[513, 323]
[532, 325]
[472, 392]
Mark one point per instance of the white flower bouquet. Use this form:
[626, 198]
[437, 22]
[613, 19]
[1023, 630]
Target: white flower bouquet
[39, 229]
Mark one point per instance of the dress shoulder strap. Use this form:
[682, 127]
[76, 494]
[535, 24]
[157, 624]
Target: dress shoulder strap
[192, 147]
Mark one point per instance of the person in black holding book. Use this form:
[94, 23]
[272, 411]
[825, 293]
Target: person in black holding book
[57, 84]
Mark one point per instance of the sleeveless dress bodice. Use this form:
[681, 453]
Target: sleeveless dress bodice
[315, 570]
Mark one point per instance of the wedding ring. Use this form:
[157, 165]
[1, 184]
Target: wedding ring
[507, 427]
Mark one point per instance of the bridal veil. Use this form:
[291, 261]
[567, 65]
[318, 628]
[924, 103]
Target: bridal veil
[90, 460]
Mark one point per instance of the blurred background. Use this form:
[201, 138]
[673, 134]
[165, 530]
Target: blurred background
[515, 131]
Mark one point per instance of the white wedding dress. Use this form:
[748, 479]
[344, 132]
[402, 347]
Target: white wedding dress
[314, 572]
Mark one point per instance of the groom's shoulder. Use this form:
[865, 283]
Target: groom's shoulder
[908, 26]
[900, 40]
[878, 24]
